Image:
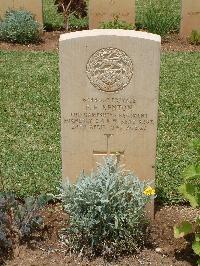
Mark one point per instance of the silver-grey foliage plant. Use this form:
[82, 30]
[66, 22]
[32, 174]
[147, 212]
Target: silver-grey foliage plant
[19, 26]
[106, 210]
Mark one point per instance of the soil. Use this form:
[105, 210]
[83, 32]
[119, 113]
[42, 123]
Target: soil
[162, 249]
[50, 43]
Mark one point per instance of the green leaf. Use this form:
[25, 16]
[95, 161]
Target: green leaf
[188, 190]
[197, 237]
[116, 222]
[192, 172]
[43, 199]
[196, 145]
[183, 229]
[196, 247]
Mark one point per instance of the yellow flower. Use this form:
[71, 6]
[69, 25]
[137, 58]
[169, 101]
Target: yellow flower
[149, 191]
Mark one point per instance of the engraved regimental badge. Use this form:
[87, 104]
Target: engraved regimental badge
[109, 69]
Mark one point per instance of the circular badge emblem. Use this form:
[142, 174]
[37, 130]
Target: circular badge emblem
[109, 69]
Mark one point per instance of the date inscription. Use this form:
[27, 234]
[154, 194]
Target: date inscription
[109, 114]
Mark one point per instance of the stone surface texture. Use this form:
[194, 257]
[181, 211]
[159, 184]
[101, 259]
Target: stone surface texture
[34, 6]
[109, 100]
[190, 17]
[105, 10]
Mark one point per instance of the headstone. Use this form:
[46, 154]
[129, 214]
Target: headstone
[106, 10]
[109, 100]
[190, 18]
[34, 6]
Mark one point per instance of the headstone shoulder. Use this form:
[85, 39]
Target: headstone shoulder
[111, 32]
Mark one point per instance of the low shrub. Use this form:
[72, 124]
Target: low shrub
[57, 15]
[19, 219]
[116, 24]
[106, 211]
[78, 6]
[159, 17]
[194, 37]
[77, 23]
[19, 26]
[191, 192]
[67, 7]
[52, 19]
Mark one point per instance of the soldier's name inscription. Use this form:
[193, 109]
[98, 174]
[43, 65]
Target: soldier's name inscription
[109, 114]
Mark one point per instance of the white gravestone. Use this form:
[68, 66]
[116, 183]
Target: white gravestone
[190, 17]
[109, 100]
[106, 10]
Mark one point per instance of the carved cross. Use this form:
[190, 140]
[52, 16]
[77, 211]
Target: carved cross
[108, 151]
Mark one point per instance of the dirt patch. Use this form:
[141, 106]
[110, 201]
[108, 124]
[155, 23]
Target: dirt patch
[172, 43]
[49, 42]
[163, 250]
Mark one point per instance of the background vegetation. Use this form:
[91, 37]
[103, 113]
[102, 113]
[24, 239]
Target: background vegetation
[155, 16]
[160, 17]
[30, 121]
[52, 19]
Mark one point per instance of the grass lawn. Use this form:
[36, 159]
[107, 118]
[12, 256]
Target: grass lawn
[30, 131]
[30, 121]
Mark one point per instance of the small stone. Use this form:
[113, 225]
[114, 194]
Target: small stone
[159, 250]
